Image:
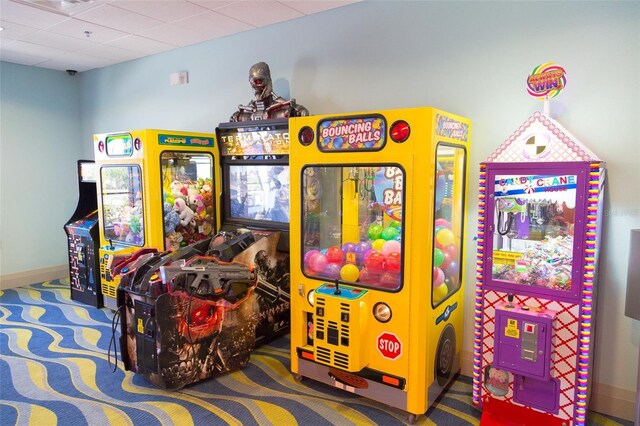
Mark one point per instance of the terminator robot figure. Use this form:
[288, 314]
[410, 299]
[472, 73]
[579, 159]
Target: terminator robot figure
[266, 104]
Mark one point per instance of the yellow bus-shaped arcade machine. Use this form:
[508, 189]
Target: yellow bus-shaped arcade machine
[156, 189]
[376, 247]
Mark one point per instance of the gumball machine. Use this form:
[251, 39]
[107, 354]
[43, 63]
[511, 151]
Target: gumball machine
[376, 244]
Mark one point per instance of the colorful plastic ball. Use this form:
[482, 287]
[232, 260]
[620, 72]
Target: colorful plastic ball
[374, 231]
[366, 254]
[452, 249]
[438, 277]
[368, 277]
[395, 224]
[453, 270]
[447, 260]
[391, 247]
[390, 279]
[348, 247]
[389, 233]
[377, 244]
[360, 249]
[332, 271]
[442, 222]
[334, 254]
[318, 262]
[307, 256]
[349, 272]
[438, 257]
[445, 237]
[375, 262]
[392, 262]
[440, 293]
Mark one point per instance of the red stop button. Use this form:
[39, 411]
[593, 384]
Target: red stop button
[389, 345]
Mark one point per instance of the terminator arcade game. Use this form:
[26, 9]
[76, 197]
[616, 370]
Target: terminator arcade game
[538, 234]
[376, 249]
[156, 189]
[83, 239]
[254, 157]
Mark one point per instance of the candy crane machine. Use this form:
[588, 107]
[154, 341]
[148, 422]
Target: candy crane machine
[538, 237]
[156, 189]
[376, 248]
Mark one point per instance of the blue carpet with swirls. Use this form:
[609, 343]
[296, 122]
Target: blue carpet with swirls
[55, 369]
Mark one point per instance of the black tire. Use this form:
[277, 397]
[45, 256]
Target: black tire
[444, 355]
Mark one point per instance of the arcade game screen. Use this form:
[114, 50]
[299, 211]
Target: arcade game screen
[122, 204]
[259, 192]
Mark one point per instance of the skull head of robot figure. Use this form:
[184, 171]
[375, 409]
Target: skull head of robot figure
[260, 79]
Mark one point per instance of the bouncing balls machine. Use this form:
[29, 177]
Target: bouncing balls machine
[84, 240]
[156, 189]
[540, 205]
[376, 248]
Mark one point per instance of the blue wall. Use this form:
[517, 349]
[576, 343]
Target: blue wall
[470, 58]
[40, 141]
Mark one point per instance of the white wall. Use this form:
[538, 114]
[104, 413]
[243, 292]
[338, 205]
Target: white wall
[470, 58]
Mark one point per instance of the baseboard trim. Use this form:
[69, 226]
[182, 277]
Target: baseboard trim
[21, 279]
[605, 399]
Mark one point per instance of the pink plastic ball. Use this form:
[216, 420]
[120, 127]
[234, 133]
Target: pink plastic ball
[391, 247]
[307, 256]
[318, 262]
[438, 277]
[442, 222]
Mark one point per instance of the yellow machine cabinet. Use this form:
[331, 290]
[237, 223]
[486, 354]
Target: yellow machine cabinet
[377, 229]
[156, 189]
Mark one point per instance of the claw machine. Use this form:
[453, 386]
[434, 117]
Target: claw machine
[377, 231]
[156, 189]
[538, 236]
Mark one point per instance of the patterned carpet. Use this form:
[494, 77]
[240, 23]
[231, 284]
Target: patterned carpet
[54, 369]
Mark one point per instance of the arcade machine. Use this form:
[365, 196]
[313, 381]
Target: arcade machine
[538, 238]
[157, 189]
[376, 248]
[83, 239]
[254, 155]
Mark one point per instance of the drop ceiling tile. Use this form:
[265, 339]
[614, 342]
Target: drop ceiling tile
[309, 7]
[196, 29]
[15, 31]
[76, 28]
[106, 51]
[259, 13]
[211, 4]
[59, 41]
[141, 44]
[167, 11]
[33, 49]
[77, 61]
[20, 58]
[37, 18]
[119, 19]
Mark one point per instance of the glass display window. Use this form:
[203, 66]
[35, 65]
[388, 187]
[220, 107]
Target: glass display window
[352, 224]
[533, 229]
[259, 192]
[188, 197]
[122, 206]
[448, 220]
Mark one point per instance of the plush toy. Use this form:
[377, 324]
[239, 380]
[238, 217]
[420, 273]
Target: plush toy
[177, 188]
[185, 213]
[199, 203]
[171, 219]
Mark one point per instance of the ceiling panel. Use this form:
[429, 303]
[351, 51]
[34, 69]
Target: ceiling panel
[88, 34]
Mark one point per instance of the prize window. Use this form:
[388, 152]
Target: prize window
[352, 224]
[533, 229]
[448, 219]
[122, 204]
[188, 197]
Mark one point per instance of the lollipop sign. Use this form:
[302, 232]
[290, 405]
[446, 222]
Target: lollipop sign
[546, 81]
